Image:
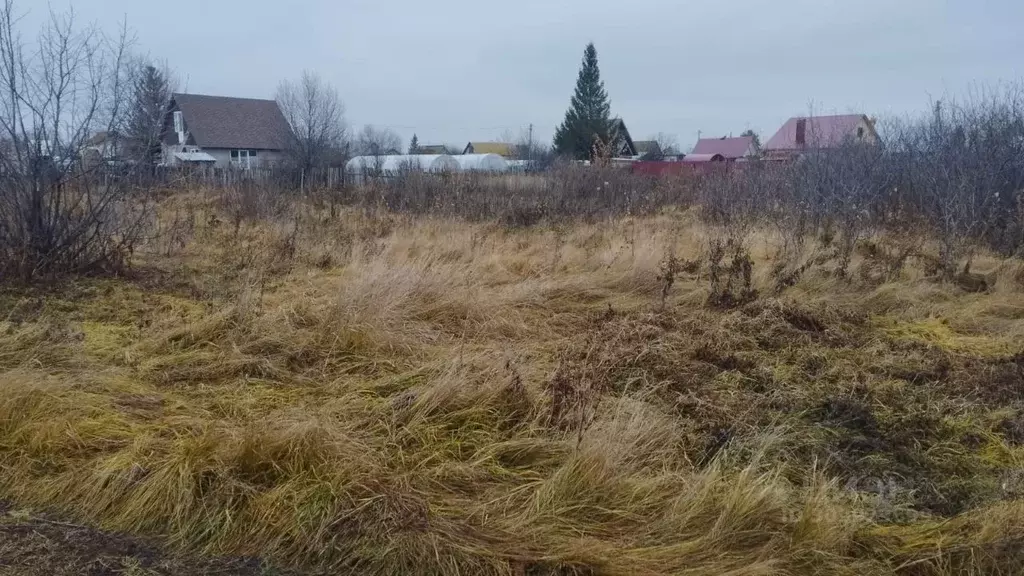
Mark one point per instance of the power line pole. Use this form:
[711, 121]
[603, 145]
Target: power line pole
[529, 144]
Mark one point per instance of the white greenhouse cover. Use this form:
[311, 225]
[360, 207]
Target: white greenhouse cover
[396, 163]
[481, 163]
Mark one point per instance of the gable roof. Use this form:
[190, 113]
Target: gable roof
[731, 148]
[223, 122]
[645, 147]
[819, 132]
[500, 148]
[624, 142]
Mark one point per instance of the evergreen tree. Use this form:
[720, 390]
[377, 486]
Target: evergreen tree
[588, 120]
[151, 95]
[414, 145]
[757, 140]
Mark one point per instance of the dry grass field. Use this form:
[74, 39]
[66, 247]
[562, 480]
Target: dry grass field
[386, 394]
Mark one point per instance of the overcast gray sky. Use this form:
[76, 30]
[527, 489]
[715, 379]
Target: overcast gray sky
[459, 70]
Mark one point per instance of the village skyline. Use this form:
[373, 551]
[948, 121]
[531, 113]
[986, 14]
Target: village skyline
[461, 72]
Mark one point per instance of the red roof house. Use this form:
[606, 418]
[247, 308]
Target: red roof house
[801, 134]
[729, 148]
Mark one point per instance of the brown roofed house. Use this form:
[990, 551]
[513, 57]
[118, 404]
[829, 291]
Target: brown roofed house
[224, 132]
[802, 134]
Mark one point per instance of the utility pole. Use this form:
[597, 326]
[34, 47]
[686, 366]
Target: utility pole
[529, 145]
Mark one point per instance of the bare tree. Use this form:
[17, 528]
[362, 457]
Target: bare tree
[56, 214]
[536, 154]
[373, 141]
[316, 115]
[667, 143]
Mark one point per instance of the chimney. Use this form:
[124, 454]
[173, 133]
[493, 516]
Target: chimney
[801, 132]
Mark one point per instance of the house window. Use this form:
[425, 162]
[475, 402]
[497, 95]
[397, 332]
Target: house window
[244, 158]
[179, 124]
[860, 132]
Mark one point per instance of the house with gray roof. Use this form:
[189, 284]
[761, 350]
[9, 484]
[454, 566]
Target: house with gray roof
[223, 132]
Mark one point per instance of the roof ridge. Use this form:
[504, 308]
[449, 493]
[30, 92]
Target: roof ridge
[853, 115]
[176, 94]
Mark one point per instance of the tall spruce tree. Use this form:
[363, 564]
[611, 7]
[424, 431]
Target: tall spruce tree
[588, 120]
[151, 95]
[414, 145]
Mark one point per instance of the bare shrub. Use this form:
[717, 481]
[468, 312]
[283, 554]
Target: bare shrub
[732, 202]
[667, 271]
[250, 200]
[730, 273]
[963, 169]
[840, 189]
[58, 212]
[567, 192]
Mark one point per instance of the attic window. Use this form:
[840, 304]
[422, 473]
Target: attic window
[860, 132]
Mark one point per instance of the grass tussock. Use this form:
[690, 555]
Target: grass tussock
[392, 395]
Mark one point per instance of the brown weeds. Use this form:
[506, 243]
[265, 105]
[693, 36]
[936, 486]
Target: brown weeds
[382, 394]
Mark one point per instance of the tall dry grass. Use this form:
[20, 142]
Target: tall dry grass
[396, 394]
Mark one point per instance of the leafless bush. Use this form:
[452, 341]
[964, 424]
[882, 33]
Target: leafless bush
[569, 191]
[963, 169]
[730, 273]
[667, 271]
[57, 214]
[841, 190]
[732, 205]
[250, 200]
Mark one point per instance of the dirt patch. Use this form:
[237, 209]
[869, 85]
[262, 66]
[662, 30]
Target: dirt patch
[32, 545]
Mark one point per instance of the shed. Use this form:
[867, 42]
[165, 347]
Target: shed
[481, 163]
